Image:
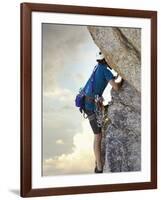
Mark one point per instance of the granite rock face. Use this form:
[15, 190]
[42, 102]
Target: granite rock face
[122, 139]
[123, 134]
[121, 47]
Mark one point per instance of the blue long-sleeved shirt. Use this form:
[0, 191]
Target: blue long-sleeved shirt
[101, 78]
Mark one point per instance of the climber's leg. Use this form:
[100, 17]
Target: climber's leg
[97, 150]
[97, 138]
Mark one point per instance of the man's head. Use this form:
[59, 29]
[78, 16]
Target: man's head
[100, 58]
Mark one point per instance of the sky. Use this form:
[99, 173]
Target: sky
[68, 57]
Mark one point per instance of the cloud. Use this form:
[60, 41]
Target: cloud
[61, 94]
[61, 120]
[80, 160]
[60, 124]
[59, 141]
[58, 100]
[63, 46]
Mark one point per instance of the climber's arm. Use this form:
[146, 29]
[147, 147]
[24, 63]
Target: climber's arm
[116, 85]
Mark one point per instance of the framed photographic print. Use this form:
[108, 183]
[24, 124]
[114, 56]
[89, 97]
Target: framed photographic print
[88, 99]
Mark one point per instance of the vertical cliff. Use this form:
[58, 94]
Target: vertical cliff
[122, 141]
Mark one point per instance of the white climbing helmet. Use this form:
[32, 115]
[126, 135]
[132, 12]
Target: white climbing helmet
[99, 56]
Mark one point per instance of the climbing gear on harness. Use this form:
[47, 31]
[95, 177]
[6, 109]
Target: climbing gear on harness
[99, 110]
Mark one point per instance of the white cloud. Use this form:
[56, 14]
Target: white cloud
[62, 94]
[81, 160]
[59, 141]
[64, 48]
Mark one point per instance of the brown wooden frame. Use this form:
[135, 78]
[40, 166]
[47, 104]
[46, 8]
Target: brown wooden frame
[26, 103]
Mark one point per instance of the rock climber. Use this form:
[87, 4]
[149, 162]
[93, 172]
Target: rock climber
[93, 89]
